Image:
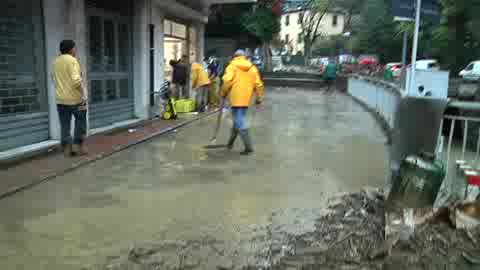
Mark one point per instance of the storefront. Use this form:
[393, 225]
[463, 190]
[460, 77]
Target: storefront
[110, 52]
[175, 44]
[117, 43]
[24, 117]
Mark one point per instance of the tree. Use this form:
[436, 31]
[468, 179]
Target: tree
[351, 9]
[264, 24]
[311, 15]
[456, 40]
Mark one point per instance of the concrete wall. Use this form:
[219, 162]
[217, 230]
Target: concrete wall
[157, 20]
[141, 74]
[54, 22]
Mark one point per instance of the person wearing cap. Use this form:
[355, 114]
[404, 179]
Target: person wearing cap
[71, 98]
[240, 81]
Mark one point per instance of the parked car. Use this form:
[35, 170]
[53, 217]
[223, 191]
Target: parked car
[471, 72]
[396, 69]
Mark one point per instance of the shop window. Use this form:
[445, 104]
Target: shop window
[111, 90]
[124, 86]
[109, 37]
[123, 47]
[167, 27]
[95, 43]
[21, 58]
[179, 30]
[96, 91]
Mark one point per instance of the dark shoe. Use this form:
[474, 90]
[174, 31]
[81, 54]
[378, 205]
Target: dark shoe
[233, 137]
[247, 142]
[246, 152]
[67, 150]
[80, 149]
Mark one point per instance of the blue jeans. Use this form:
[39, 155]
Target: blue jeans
[239, 117]
[65, 113]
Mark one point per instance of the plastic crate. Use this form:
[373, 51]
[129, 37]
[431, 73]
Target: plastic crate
[185, 105]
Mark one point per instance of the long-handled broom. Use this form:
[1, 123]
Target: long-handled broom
[212, 144]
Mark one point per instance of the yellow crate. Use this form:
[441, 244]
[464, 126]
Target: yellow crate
[184, 105]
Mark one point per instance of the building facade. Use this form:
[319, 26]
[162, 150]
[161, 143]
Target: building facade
[291, 32]
[122, 46]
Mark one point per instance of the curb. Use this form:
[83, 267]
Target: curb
[90, 160]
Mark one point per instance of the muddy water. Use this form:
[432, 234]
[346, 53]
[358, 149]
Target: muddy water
[308, 147]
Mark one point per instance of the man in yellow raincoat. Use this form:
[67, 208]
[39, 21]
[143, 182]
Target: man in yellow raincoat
[240, 81]
[200, 83]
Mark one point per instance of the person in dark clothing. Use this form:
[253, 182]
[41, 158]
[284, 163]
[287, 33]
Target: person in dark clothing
[180, 76]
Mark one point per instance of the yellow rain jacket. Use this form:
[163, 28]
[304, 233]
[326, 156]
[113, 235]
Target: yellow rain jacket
[199, 76]
[240, 80]
[68, 80]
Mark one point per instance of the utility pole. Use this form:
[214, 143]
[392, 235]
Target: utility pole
[415, 48]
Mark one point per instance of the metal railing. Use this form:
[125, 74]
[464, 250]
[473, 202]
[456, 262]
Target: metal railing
[461, 162]
[380, 96]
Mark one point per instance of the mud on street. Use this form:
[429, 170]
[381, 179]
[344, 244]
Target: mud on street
[171, 204]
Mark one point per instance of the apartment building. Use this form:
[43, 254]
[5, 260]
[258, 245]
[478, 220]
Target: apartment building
[291, 31]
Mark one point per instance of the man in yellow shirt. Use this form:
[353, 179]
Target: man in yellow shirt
[240, 82]
[71, 99]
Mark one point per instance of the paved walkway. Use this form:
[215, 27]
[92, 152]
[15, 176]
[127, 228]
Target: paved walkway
[44, 167]
[214, 207]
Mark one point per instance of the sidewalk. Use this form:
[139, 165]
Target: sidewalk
[28, 173]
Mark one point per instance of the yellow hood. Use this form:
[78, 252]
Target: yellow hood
[242, 63]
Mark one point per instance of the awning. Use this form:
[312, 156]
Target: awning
[185, 12]
[181, 11]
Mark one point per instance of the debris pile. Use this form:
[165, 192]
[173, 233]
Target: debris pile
[351, 236]
[434, 242]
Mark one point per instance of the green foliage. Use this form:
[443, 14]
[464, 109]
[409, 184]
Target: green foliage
[456, 39]
[262, 23]
[455, 42]
[376, 33]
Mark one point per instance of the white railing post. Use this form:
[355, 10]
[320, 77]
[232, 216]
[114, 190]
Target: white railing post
[465, 135]
[449, 147]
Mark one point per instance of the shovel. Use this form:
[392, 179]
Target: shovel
[212, 144]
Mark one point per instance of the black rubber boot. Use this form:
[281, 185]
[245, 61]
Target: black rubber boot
[247, 142]
[233, 137]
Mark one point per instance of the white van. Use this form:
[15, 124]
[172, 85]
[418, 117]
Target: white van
[471, 72]
[429, 64]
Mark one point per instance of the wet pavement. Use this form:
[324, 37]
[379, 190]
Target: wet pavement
[171, 190]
